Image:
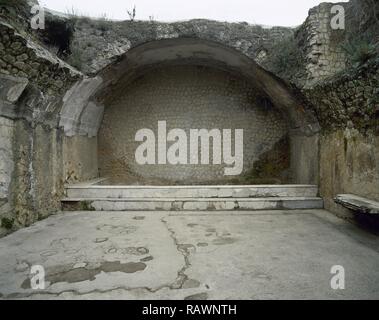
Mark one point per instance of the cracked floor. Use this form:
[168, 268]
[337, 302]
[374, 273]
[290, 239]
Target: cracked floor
[165, 255]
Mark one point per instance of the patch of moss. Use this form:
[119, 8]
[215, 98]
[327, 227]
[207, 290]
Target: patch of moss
[86, 206]
[14, 3]
[271, 165]
[7, 223]
[360, 48]
[285, 59]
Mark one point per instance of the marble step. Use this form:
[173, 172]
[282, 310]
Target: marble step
[191, 204]
[256, 191]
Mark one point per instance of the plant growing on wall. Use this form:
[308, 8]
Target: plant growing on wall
[7, 223]
[75, 59]
[15, 6]
[14, 3]
[132, 13]
[360, 49]
[285, 59]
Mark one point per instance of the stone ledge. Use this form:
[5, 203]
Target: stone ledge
[356, 203]
[191, 204]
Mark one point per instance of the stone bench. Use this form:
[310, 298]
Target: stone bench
[358, 204]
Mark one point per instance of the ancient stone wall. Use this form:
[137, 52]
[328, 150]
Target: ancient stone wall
[6, 162]
[80, 158]
[363, 17]
[21, 57]
[49, 124]
[37, 177]
[97, 43]
[349, 163]
[50, 114]
[321, 45]
[347, 107]
[32, 83]
[342, 86]
[316, 51]
[348, 100]
[190, 97]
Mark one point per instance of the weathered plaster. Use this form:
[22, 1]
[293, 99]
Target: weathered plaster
[349, 164]
[79, 158]
[190, 97]
[77, 114]
[6, 166]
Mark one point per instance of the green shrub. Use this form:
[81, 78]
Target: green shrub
[103, 23]
[132, 13]
[359, 50]
[15, 6]
[75, 59]
[13, 3]
[285, 58]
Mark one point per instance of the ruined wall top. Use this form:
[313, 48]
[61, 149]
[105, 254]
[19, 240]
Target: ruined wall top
[73, 48]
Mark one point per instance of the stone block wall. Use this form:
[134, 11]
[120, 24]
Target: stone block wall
[346, 102]
[348, 109]
[97, 43]
[363, 17]
[190, 97]
[350, 100]
[32, 83]
[320, 45]
[21, 57]
[316, 51]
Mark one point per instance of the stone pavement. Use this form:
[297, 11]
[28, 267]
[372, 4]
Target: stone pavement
[167, 255]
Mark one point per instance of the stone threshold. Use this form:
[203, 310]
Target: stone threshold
[276, 186]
